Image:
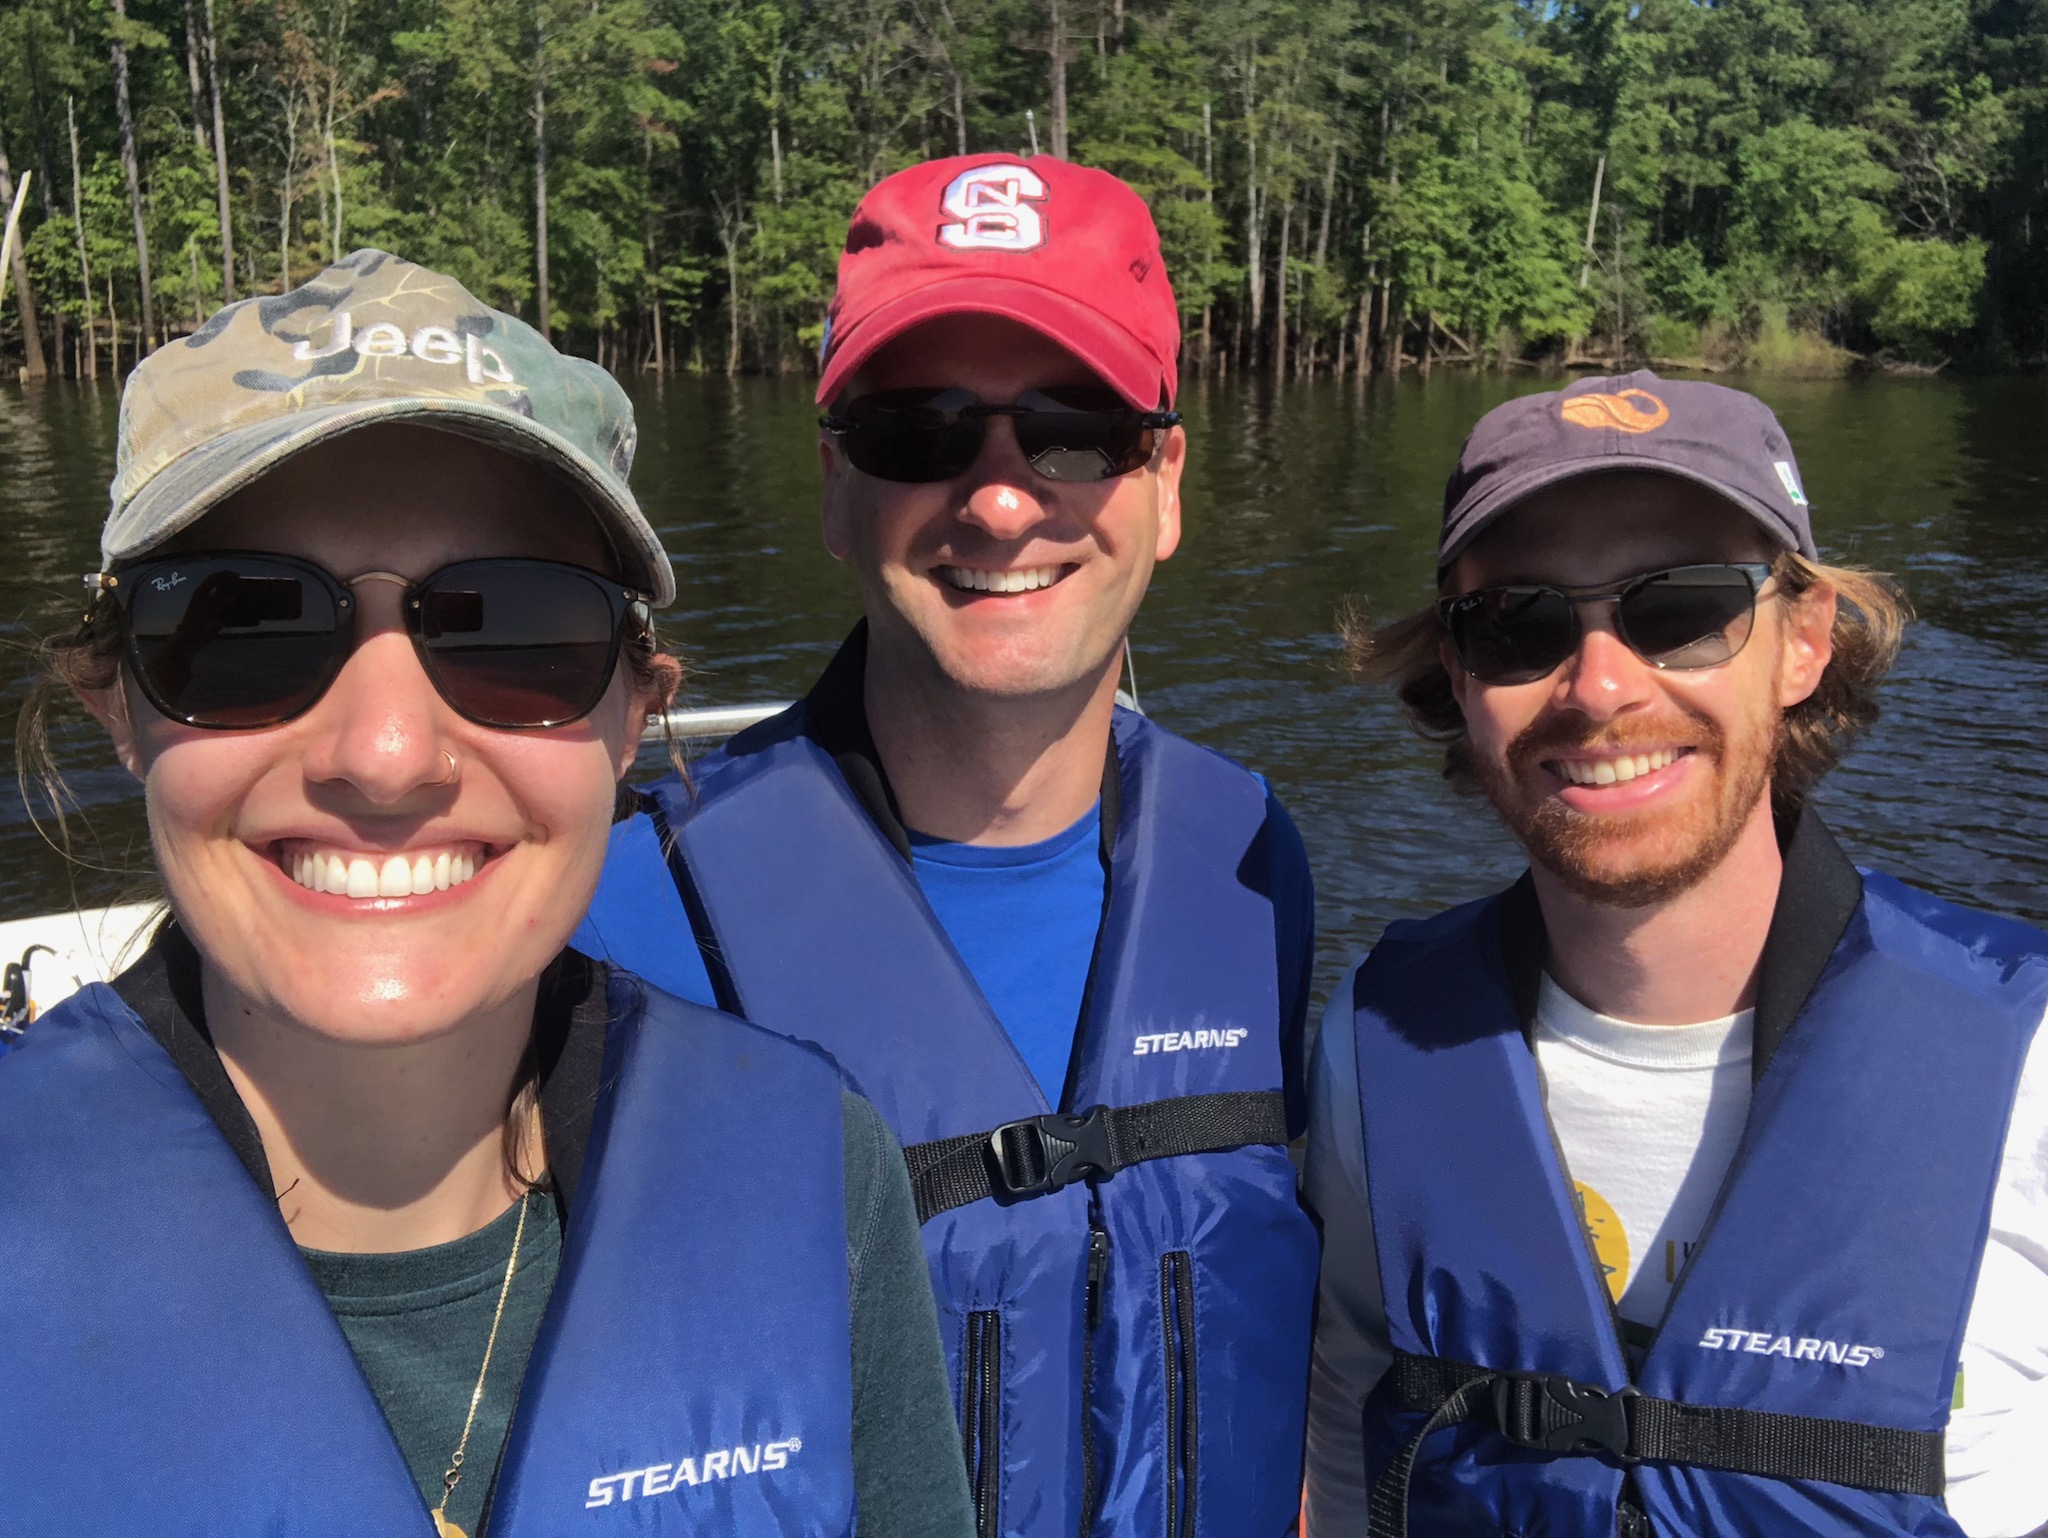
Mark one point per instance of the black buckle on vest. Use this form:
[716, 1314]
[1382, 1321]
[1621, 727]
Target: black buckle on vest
[1044, 1153]
[1560, 1415]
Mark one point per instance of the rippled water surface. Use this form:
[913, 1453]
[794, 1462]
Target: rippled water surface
[1295, 502]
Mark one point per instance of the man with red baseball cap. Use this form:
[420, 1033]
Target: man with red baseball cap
[1065, 951]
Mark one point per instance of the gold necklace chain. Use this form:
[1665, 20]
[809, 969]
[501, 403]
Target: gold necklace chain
[453, 1477]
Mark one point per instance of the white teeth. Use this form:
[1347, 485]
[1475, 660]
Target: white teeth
[397, 875]
[1024, 580]
[1615, 771]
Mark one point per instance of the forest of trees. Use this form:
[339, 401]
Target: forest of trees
[1341, 184]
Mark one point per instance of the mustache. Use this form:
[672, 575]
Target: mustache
[1559, 735]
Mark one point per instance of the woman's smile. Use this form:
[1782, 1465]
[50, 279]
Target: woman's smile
[362, 875]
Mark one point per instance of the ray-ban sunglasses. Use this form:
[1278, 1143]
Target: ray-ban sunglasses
[236, 640]
[1068, 433]
[1681, 618]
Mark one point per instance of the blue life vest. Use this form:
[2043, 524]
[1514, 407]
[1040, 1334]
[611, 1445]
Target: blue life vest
[1128, 1352]
[1834, 1281]
[170, 1367]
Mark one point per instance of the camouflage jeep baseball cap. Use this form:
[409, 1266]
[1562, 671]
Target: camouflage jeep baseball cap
[374, 338]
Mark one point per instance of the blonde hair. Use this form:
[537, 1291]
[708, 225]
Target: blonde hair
[1871, 614]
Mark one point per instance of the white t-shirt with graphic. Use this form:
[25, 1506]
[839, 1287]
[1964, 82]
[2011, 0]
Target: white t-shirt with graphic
[1647, 1118]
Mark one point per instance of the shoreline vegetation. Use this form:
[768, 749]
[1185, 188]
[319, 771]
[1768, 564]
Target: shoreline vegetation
[1800, 188]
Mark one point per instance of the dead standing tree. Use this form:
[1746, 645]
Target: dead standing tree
[117, 50]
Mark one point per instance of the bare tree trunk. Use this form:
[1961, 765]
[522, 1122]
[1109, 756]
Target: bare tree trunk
[32, 363]
[192, 78]
[729, 228]
[660, 361]
[775, 115]
[287, 194]
[1593, 218]
[46, 183]
[1058, 40]
[1280, 293]
[1329, 201]
[1208, 177]
[114, 328]
[198, 307]
[338, 40]
[92, 341]
[540, 172]
[1254, 209]
[1254, 230]
[118, 51]
[1361, 349]
[220, 165]
[959, 113]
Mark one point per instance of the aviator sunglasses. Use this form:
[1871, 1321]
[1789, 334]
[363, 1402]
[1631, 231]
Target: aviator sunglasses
[1682, 618]
[1068, 433]
[233, 640]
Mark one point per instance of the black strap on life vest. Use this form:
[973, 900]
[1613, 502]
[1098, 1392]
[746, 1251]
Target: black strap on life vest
[1556, 1414]
[1043, 1153]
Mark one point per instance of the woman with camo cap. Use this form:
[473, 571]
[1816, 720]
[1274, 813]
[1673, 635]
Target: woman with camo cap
[360, 1204]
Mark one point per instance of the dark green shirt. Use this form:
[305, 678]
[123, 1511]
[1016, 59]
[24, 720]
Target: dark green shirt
[418, 1320]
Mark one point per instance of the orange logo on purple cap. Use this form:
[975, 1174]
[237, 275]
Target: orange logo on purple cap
[1631, 411]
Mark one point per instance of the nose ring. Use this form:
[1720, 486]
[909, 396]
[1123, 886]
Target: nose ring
[453, 768]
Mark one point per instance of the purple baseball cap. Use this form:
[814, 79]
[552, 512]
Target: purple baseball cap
[1725, 440]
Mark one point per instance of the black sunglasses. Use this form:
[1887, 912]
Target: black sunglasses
[1085, 433]
[1685, 617]
[233, 640]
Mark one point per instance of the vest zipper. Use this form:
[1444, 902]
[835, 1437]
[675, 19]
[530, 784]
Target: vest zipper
[981, 1409]
[1177, 1326]
[1091, 1315]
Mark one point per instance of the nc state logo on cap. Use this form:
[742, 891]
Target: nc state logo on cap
[991, 209]
[973, 235]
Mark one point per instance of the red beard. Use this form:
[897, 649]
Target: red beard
[1633, 859]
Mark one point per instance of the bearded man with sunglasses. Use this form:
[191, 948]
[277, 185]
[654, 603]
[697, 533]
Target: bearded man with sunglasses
[1005, 904]
[1698, 1183]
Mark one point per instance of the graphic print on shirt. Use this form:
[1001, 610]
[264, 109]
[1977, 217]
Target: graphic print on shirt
[1606, 1233]
[1676, 1253]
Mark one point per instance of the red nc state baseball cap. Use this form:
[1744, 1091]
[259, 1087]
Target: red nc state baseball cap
[1068, 251]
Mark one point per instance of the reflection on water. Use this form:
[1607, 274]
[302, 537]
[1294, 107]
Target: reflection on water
[1294, 502]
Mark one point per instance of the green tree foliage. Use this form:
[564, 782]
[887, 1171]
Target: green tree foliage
[1339, 184]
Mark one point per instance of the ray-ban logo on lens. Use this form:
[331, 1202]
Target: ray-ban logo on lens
[166, 583]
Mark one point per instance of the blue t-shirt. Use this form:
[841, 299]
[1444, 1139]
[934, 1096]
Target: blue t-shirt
[1024, 918]
[637, 920]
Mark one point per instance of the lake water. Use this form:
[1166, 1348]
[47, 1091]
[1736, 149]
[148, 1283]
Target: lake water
[1295, 502]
